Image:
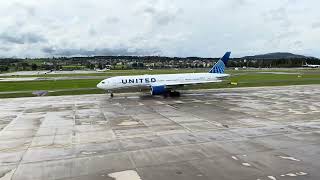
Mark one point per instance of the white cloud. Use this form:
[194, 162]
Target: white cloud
[32, 28]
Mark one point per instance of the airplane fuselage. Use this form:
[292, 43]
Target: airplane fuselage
[312, 65]
[119, 82]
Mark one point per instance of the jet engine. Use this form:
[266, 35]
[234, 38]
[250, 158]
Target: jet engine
[158, 90]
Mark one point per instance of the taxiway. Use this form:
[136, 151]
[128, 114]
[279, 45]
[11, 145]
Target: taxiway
[264, 133]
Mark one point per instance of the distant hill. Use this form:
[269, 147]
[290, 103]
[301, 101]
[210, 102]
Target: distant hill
[278, 55]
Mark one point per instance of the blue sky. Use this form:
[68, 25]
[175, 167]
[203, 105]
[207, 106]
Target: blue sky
[207, 28]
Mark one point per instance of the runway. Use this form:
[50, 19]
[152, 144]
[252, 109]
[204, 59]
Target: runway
[264, 133]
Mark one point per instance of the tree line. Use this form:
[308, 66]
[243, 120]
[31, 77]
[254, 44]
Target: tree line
[142, 62]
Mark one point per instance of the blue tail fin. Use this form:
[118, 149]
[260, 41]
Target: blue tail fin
[221, 64]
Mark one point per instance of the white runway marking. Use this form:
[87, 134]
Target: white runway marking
[289, 158]
[272, 178]
[235, 158]
[301, 173]
[291, 175]
[294, 174]
[125, 175]
[246, 164]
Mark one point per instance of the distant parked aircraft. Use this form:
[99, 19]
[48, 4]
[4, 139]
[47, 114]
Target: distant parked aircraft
[311, 65]
[166, 84]
[102, 70]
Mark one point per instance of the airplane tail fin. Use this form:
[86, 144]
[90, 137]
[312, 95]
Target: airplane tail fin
[221, 64]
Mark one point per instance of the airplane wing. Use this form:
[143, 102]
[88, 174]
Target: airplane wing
[175, 83]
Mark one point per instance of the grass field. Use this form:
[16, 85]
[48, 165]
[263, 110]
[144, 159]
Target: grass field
[114, 73]
[243, 78]
[161, 71]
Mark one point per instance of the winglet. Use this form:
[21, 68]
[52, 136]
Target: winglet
[221, 64]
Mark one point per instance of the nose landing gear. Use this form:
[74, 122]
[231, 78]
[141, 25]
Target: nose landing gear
[111, 94]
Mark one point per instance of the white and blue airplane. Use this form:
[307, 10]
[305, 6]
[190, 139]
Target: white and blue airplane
[166, 84]
[311, 65]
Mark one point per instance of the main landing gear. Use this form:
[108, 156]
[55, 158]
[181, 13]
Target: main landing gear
[171, 94]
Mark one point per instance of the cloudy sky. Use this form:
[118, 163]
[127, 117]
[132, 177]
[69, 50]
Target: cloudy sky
[207, 28]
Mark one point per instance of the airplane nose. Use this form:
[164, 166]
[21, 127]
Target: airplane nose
[99, 86]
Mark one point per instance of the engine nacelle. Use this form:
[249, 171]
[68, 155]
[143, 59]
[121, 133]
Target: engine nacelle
[158, 90]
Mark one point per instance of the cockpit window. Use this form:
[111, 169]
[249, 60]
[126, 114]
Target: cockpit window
[102, 82]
